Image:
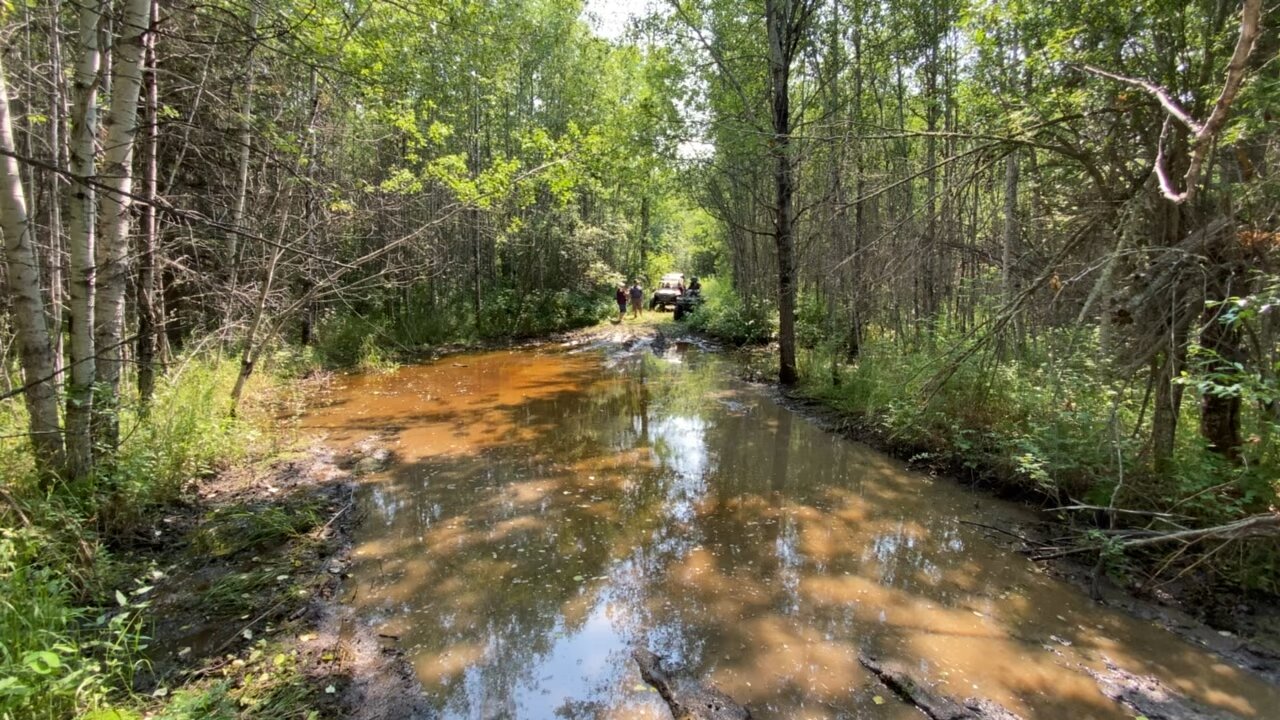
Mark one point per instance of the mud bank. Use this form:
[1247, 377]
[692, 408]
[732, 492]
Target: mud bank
[248, 603]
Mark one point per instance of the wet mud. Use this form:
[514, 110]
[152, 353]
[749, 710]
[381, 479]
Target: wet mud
[543, 512]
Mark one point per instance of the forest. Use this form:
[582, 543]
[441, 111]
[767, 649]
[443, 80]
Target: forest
[1035, 246]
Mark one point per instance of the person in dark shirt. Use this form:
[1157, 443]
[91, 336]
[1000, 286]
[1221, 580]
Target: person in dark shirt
[637, 299]
[620, 297]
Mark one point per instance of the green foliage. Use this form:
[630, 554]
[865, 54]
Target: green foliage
[56, 656]
[1039, 420]
[71, 616]
[234, 528]
[728, 317]
[266, 685]
[509, 313]
[187, 434]
[349, 341]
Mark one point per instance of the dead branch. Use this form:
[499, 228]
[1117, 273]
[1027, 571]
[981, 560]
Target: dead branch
[936, 706]
[1263, 525]
[1203, 134]
[687, 699]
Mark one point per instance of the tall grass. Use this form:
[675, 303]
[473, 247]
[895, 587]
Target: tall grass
[1045, 418]
[71, 613]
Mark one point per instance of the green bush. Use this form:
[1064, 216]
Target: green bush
[1040, 419]
[349, 341]
[508, 313]
[57, 658]
[70, 627]
[728, 317]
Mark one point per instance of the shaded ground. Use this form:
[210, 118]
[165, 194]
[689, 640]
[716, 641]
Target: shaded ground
[248, 615]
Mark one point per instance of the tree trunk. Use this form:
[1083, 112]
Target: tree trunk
[1224, 343]
[53, 258]
[779, 21]
[146, 292]
[245, 140]
[80, 242]
[249, 355]
[112, 252]
[35, 346]
[1011, 249]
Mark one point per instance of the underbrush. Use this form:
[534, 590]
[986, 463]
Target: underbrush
[725, 316]
[1041, 423]
[74, 598]
[378, 340]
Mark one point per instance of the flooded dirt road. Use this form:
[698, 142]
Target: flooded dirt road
[548, 510]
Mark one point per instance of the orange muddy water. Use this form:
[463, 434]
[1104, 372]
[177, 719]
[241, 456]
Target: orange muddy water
[549, 509]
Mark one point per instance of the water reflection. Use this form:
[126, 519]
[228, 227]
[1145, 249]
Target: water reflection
[549, 510]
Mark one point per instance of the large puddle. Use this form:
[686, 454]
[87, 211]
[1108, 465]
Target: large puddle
[551, 509]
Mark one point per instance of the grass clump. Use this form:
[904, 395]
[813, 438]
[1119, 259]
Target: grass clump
[267, 684]
[235, 528]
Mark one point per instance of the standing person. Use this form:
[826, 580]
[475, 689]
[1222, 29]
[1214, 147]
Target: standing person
[637, 299]
[620, 297]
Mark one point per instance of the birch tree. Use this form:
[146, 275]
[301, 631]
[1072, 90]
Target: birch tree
[35, 346]
[80, 240]
[112, 253]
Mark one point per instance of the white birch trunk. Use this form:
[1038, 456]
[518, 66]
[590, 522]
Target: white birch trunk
[148, 325]
[112, 252]
[80, 240]
[246, 140]
[34, 344]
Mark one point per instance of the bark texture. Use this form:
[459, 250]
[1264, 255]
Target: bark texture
[34, 344]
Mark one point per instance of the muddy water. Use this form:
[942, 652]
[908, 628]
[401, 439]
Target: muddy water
[550, 509]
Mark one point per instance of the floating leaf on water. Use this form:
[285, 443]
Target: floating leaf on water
[878, 700]
[577, 578]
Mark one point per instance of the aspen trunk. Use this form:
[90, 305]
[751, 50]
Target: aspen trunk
[1011, 249]
[148, 328]
[80, 241]
[34, 343]
[112, 252]
[53, 258]
[245, 139]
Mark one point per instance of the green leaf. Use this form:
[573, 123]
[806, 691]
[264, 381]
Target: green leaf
[42, 661]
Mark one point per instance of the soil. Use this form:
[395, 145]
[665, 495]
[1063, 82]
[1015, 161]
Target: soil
[350, 672]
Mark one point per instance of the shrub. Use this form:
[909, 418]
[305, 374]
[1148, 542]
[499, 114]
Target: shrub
[725, 316]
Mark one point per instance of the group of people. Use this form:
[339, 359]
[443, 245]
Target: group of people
[635, 296]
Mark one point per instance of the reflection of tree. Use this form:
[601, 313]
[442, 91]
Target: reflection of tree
[700, 501]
